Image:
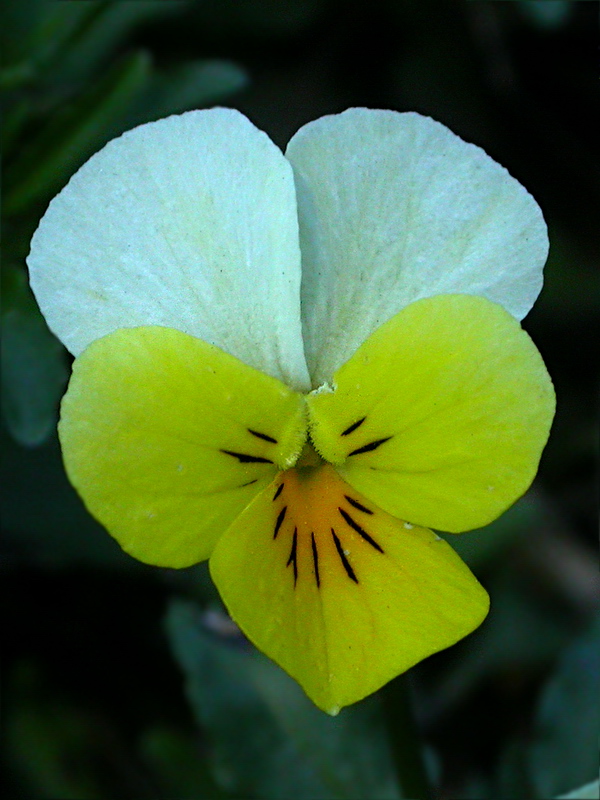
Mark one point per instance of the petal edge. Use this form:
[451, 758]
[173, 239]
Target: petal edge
[394, 207]
[189, 222]
[455, 406]
[339, 614]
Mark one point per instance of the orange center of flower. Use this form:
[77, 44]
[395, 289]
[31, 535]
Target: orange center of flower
[324, 522]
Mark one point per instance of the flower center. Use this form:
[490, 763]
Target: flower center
[308, 458]
[323, 522]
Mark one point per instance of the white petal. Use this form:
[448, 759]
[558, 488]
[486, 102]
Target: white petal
[395, 207]
[189, 222]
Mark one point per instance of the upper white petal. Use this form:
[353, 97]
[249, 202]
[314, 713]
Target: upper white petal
[189, 222]
[394, 207]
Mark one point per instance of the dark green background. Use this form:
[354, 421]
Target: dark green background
[122, 681]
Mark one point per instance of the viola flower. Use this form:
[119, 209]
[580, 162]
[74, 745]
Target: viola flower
[296, 366]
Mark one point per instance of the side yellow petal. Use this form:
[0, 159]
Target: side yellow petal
[337, 592]
[441, 416]
[167, 439]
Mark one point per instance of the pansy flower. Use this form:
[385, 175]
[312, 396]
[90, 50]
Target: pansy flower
[296, 366]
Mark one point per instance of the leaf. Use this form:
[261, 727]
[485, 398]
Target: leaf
[332, 744]
[546, 15]
[591, 791]
[49, 743]
[15, 116]
[34, 32]
[44, 522]
[73, 134]
[512, 777]
[565, 736]
[191, 85]
[107, 28]
[268, 740]
[178, 764]
[522, 632]
[480, 546]
[34, 365]
[66, 744]
[259, 18]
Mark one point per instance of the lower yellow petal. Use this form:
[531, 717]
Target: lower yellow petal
[339, 593]
[441, 416]
[167, 439]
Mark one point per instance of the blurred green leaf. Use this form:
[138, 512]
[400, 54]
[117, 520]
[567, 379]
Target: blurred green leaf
[476, 787]
[106, 29]
[480, 546]
[561, 748]
[523, 631]
[267, 739]
[47, 743]
[41, 745]
[512, 777]
[190, 85]
[73, 134]
[591, 791]
[44, 522]
[14, 75]
[565, 735]
[34, 367]
[193, 583]
[34, 32]
[64, 43]
[259, 17]
[15, 115]
[546, 14]
[59, 748]
[178, 764]
[54, 49]
[19, 20]
[337, 747]
[571, 290]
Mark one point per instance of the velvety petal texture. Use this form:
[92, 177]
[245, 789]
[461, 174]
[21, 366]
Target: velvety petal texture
[441, 416]
[170, 265]
[339, 593]
[190, 223]
[395, 207]
[167, 439]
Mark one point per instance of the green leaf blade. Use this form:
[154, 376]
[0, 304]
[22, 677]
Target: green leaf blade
[34, 366]
[268, 740]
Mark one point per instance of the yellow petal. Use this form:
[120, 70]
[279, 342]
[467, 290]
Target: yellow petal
[441, 416]
[339, 593]
[167, 439]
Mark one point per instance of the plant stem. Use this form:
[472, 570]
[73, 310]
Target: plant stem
[405, 741]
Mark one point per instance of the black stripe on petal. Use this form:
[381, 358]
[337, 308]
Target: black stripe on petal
[315, 554]
[367, 448]
[353, 427]
[358, 505]
[292, 559]
[264, 436]
[361, 531]
[349, 571]
[279, 521]
[244, 458]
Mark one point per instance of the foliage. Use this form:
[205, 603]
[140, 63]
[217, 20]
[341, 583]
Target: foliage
[127, 682]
